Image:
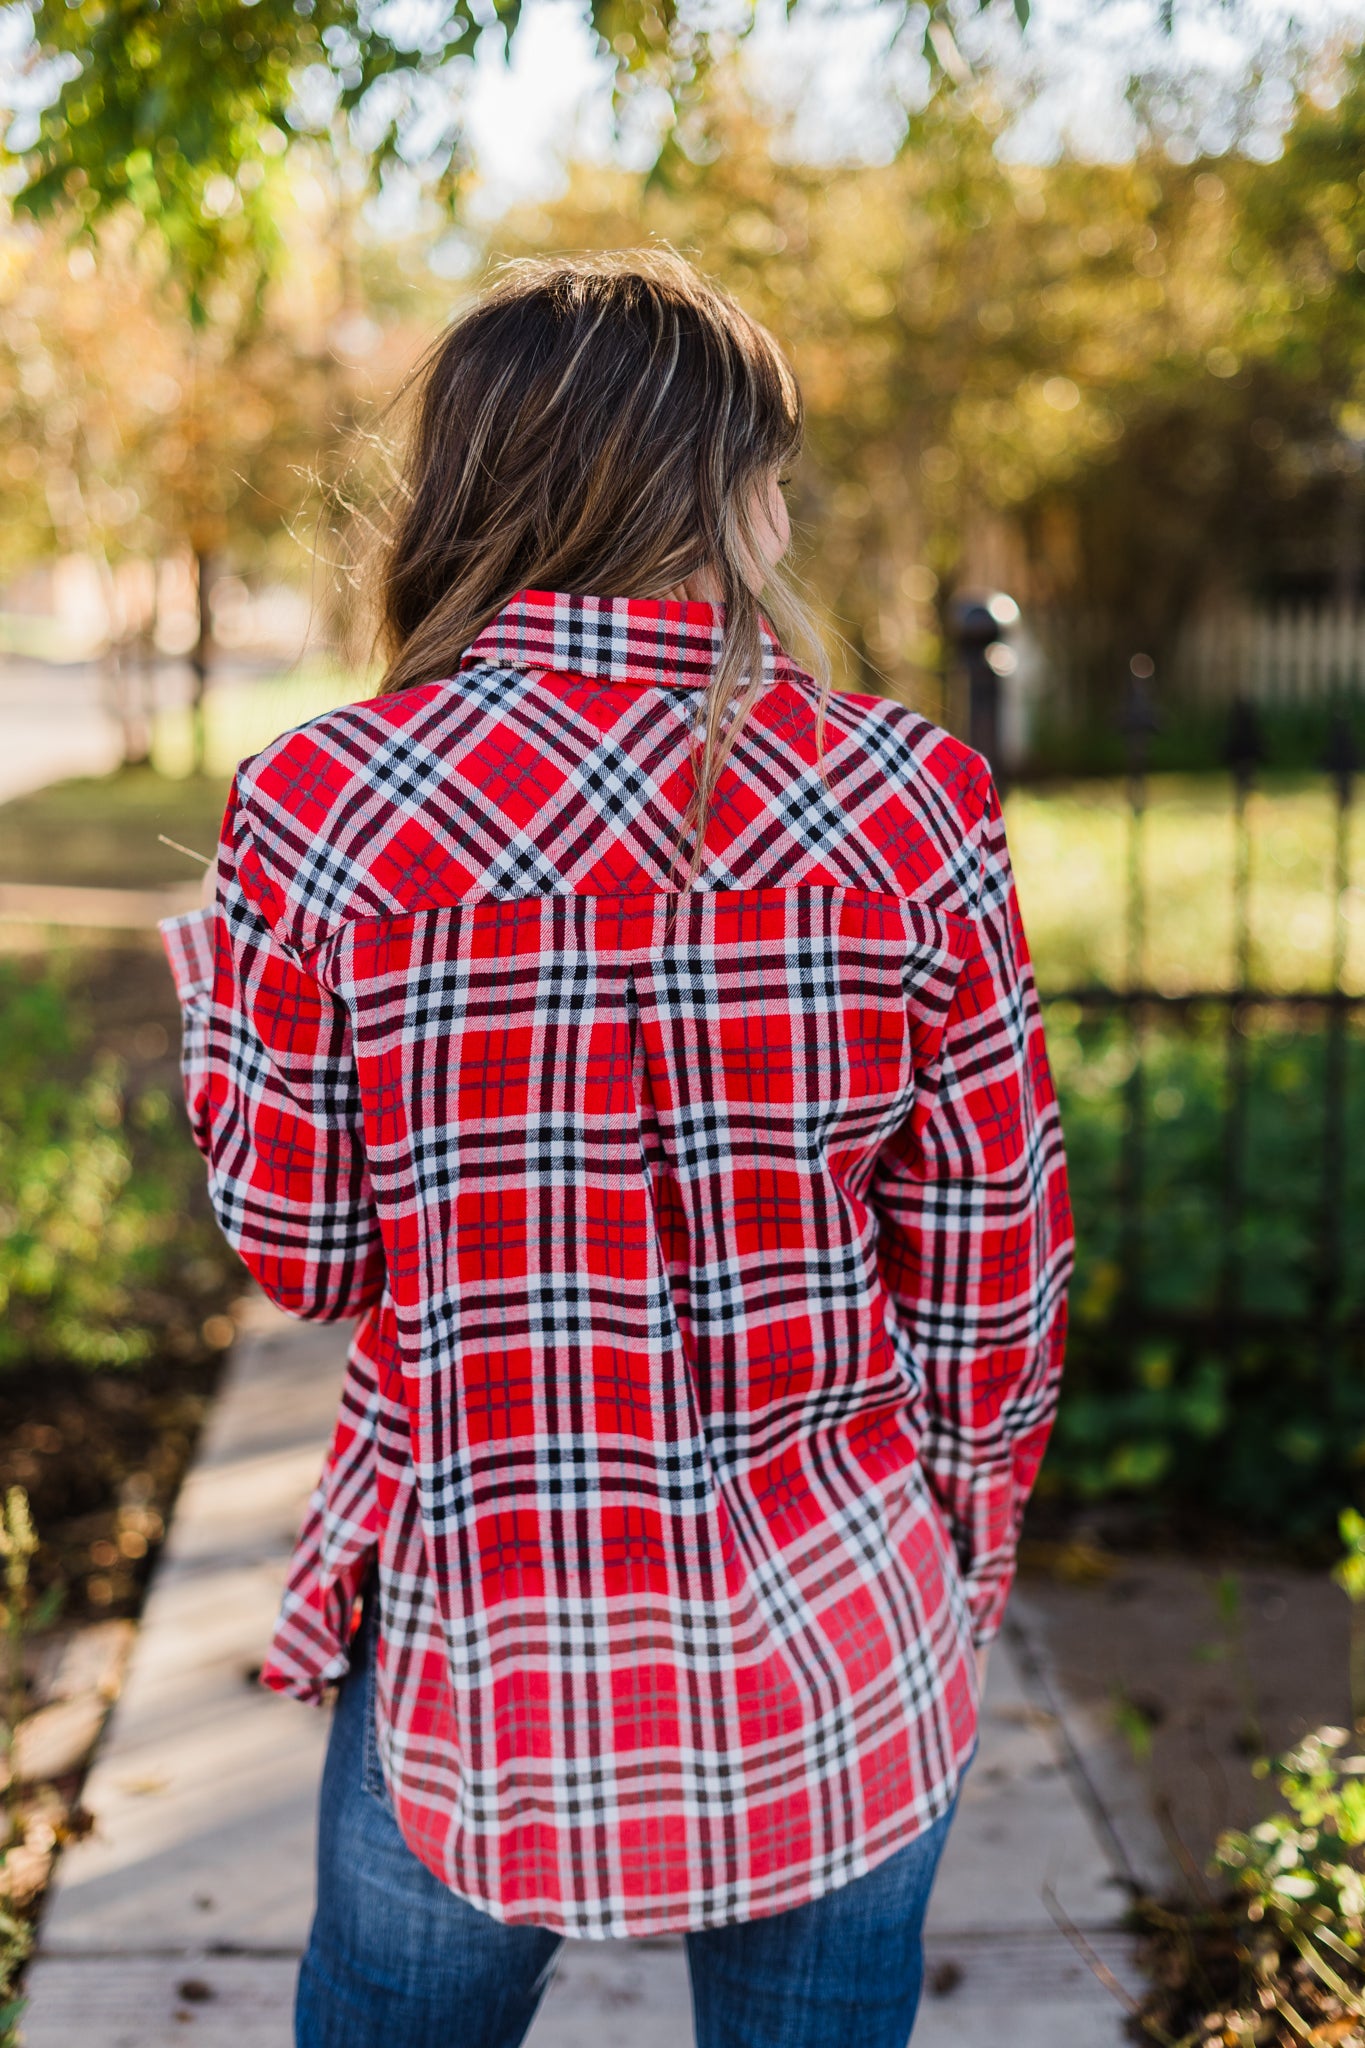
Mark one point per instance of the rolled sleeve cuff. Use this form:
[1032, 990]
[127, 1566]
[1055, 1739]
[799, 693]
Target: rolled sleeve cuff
[986, 1602]
[188, 941]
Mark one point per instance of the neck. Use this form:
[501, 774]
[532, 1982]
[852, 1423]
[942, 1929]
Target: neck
[701, 588]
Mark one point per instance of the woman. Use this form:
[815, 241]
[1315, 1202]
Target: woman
[641, 1043]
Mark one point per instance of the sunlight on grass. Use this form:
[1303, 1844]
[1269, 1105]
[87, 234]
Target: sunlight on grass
[102, 831]
[1070, 856]
[242, 717]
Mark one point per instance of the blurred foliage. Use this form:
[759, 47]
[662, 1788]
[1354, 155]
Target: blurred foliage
[1349, 1574]
[101, 1450]
[175, 109]
[1192, 738]
[126, 435]
[1167, 1403]
[241, 720]
[1115, 389]
[96, 1221]
[16, 1945]
[1124, 391]
[1262, 1427]
[1301, 1877]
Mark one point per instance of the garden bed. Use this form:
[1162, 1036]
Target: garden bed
[1220, 1977]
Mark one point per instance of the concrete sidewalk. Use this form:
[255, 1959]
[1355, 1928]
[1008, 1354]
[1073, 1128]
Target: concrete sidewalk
[179, 1920]
[95, 909]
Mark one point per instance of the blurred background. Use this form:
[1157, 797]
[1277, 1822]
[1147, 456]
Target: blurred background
[1077, 298]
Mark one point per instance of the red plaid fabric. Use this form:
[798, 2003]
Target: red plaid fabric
[709, 1252]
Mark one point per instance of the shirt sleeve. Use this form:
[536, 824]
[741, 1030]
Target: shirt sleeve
[976, 1242]
[274, 1103]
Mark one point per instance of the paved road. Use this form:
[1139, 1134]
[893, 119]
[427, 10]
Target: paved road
[53, 723]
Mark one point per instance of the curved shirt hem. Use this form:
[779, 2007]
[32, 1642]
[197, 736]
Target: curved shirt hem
[801, 1889]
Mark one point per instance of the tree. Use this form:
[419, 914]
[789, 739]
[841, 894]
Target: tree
[130, 438]
[1108, 376]
[174, 107]
[936, 311]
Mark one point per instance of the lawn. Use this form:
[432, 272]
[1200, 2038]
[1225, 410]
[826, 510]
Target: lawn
[242, 716]
[1070, 852]
[106, 830]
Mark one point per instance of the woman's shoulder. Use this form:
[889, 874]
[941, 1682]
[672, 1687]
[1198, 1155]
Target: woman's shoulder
[926, 762]
[313, 814]
[356, 741]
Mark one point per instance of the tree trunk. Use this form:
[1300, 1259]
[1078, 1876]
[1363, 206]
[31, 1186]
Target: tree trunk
[137, 726]
[201, 656]
[146, 666]
[114, 664]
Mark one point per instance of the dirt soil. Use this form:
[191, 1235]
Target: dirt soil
[1187, 1672]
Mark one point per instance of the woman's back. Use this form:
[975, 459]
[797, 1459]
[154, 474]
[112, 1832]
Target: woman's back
[710, 1246]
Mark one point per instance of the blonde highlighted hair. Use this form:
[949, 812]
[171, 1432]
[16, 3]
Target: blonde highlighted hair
[606, 426]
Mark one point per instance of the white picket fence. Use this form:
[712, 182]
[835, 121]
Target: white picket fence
[1288, 654]
[1274, 654]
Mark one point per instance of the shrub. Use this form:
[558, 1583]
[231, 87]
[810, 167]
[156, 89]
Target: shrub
[1255, 1421]
[101, 1215]
[1301, 1875]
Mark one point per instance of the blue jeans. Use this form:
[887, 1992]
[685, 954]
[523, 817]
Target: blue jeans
[396, 1960]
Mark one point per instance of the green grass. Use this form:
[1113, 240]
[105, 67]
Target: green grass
[96, 831]
[242, 717]
[1069, 849]
[103, 831]
[101, 1213]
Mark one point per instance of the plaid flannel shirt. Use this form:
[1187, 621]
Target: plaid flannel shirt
[709, 1251]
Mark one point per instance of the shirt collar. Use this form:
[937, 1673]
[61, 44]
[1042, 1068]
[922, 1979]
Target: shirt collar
[616, 639]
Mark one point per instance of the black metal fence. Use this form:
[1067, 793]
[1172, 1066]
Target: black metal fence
[1219, 1319]
[1325, 1014]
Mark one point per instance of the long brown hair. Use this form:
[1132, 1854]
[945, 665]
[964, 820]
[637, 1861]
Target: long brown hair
[603, 426]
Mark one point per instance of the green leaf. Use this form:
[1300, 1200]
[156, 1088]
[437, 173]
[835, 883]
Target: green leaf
[47, 1607]
[1227, 1595]
[1139, 1465]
